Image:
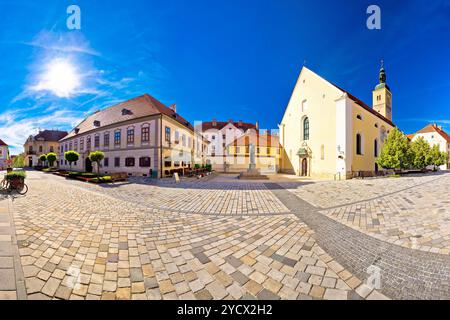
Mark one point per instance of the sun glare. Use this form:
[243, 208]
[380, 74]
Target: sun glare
[60, 78]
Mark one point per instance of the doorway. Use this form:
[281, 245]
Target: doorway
[88, 165]
[304, 172]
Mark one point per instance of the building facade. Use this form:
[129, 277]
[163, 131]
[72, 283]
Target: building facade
[5, 160]
[266, 149]
[434, 134]
[220, 134]
[44, 142]
[141, 137]
[327, 133]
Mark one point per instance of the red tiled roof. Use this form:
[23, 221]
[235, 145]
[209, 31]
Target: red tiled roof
[139, 107]
[50, 135]
[2, 143]
[434, 128]
[261, 140]
[365, 106]
[220, 124]
[410, 136]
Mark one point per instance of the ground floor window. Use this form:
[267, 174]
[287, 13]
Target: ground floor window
[117, 162]
[129, 162]
[145, 162]
[106, 162]
[167, 163]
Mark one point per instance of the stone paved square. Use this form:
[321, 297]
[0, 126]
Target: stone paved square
[223, 240]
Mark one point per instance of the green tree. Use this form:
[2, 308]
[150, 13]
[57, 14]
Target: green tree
[97, 157]
[19, 161]
[395, 153]
[437, 158]
[43, 158]
[71, 156]
[420, 150]
[51, 158]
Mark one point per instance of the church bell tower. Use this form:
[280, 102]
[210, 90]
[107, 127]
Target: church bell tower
[382, 96]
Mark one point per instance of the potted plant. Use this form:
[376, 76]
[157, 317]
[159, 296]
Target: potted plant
[16, 180]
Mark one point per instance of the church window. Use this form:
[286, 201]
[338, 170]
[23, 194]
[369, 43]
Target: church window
[375, 148]
[358, 144]
[306, 129]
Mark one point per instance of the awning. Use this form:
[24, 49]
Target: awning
[302, 153]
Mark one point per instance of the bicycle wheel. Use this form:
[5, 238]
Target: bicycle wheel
[22, 190]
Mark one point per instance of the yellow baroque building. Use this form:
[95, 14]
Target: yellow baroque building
[327, 133]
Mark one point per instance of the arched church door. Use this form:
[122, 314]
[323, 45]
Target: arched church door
[304, 167]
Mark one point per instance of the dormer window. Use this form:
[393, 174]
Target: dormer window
[126, 112]
[77, 130]
[96, 123]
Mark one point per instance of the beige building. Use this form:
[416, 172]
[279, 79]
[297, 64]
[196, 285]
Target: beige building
[44, 142]
[220, 134]
[4, 155]
[328, 133]
[141, 137]
[266, 148]
[434, 134]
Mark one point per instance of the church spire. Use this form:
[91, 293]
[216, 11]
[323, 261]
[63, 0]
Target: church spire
[382, 76]
[382, 96]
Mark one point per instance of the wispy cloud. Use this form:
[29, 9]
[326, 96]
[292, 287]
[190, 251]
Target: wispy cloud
[72, 42]
[15, 127]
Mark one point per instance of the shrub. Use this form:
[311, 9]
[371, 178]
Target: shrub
[71, 156]
[16, 175]
[19, 162]
[396, 153]
[43, 158]
[51, 158]
[420, 150]
[208, 167]
[104, 179]
[436, 157]
[97, 157]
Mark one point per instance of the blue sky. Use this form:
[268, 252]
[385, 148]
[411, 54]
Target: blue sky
[224, 59]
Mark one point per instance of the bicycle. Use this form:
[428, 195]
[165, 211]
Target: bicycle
[17, 185]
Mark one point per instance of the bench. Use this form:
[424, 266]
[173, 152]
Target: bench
[120, 176]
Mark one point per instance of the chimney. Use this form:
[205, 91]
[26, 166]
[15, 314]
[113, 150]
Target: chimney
[240, 123]
[173, 107]
[230, 120]
[435, 125]
[257, 125]
[440, 127]
[214, 123]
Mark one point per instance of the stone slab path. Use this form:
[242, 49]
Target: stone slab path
[406, 273]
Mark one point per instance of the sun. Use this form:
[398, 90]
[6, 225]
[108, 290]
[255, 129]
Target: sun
[60, 78]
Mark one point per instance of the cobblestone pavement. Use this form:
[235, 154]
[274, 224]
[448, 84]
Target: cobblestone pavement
[195, 197]
[11, 278]
[327, 194]
[405, 273]
[136, 241]
[410, 213]
[78, 244]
